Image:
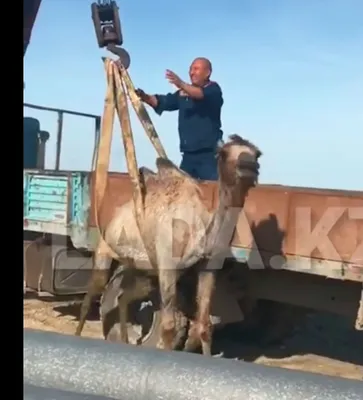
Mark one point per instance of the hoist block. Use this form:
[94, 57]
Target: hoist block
[107, 24]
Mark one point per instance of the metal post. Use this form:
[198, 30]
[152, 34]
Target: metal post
[59, 140]
[97, 142]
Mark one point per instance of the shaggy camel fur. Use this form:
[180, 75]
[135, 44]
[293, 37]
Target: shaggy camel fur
[179, 233]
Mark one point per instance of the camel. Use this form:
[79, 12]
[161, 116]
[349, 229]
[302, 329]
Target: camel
[179, 233]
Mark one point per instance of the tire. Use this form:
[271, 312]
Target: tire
[143, 315]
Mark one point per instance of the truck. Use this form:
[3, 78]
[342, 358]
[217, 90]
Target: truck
[273, 256]
[291, 246]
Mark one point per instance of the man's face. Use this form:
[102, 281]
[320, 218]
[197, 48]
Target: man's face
[199, 72]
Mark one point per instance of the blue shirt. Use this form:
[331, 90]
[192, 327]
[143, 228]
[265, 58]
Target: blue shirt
[199, 122]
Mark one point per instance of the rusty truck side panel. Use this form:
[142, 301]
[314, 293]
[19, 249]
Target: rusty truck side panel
[280, 215]
[119, 191]
[272, 212]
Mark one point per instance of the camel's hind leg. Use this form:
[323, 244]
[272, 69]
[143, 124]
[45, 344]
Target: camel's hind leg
[123, 303]
[201, 329]
[167, 282]
[135, 287]
[100, 275]
[115, 291]
[125, 286]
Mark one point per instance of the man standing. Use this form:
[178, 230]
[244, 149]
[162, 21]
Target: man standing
[199, 123]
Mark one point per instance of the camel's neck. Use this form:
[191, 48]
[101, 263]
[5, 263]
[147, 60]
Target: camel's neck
[231, 196]
[224, 219]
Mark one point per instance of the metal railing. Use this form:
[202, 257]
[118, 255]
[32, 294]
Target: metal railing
[100, 370]
[61, 112]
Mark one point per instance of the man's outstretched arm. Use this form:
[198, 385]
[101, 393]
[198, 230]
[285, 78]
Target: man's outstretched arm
[211, 93]
[159, 102]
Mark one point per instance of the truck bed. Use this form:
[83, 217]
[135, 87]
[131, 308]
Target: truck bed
[61, 203]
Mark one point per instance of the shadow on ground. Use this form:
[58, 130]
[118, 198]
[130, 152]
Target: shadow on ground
[75, 309]
[321, 334]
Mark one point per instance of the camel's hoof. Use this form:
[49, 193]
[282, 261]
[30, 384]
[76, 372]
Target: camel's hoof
[192, 345]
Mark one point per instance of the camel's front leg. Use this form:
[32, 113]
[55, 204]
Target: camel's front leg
[167, 282]
[201, 329]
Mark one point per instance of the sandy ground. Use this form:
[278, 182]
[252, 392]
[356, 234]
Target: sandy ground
[321, 343]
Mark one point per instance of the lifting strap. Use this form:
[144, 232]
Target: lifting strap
[104, 146]
[129, 146]
[142, 113]
[119, 88]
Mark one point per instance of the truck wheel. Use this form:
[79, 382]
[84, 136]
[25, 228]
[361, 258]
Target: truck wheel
[144, 317]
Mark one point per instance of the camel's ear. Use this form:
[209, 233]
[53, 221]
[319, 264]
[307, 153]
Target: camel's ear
[146, 174]
[167, 169]
[220, 149]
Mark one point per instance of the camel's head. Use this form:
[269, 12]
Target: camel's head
[238, 161]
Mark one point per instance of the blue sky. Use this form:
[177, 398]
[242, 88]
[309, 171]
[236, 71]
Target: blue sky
[291, 73]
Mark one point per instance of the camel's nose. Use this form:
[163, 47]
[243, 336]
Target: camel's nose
[248, 166]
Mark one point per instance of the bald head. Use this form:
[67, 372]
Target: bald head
[200, 71]
[205, 62]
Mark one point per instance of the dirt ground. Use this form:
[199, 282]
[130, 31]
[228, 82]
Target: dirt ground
[321, 343]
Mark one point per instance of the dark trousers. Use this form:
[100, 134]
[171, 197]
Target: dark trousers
[200, 165]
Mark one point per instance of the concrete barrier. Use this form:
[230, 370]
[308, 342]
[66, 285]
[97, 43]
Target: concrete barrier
[88, 367]
[32, 392]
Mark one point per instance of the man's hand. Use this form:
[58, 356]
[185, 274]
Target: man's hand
[142, 95]
[185, 89]
[146, 98]
[173, 78]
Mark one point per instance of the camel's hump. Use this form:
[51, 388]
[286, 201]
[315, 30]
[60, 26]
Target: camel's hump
[146, 174]
[167, 169]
